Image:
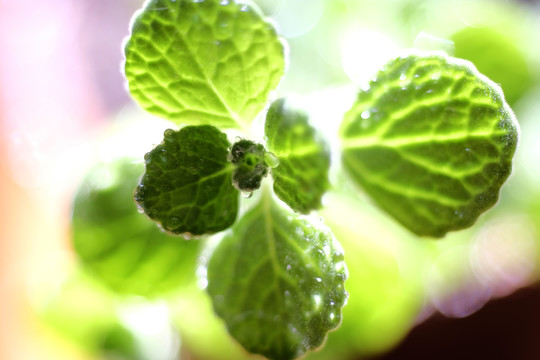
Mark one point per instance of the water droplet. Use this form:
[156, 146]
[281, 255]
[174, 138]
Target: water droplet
[365, 115]
[188, 236]
[168, 134]
[318, 279]
[327, 249]
[247, 194]
[332, 316]
[289, 267]
[287, 293]
[173, 223]
[332, 303]
[403, 77]
[271, 160]
[140, 209]
[224, 2]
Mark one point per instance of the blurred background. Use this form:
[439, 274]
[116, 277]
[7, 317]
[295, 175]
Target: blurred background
[64, 108]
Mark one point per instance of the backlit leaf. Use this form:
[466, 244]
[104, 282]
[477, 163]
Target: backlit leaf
[203, 62]
[431, 141]
[301, 176]
[277, 281]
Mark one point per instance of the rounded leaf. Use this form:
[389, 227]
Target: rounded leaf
[203, 62]
[431, 141]
[119, 246]
[187, 187]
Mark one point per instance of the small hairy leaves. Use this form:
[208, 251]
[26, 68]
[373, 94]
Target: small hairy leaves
[301, 178]
[249, 160]
[120, 247]
[187, 186]
[278, 281]
[203, 62]
[431, 141]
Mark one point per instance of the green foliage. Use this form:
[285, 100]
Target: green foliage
[431, 141]
[203, 62]
[277, 281]
[120, 247]
[301, 178]
[497, 56]
[97, 328]
[249, 160]
[187, 184]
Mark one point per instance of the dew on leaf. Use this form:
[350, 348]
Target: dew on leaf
[169, 134]
[304, 280]
[271, 160]
[247, 194]
[327, 250]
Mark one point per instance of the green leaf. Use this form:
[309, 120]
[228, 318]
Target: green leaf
[203, 62]
[431, 141]
[187, 187]
[496, 54]
[123, 249]
[277, 281]
[301, 178]
[249, 159]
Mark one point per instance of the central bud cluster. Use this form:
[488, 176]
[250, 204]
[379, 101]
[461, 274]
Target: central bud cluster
[249, 160]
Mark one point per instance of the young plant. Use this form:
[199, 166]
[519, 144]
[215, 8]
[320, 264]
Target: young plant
[431, 141]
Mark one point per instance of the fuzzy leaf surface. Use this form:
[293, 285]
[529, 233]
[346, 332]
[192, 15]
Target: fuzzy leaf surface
[119, 246]
[431, 141]
[187, 187]
[301, 178]
[203, 62]
[277, 281]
